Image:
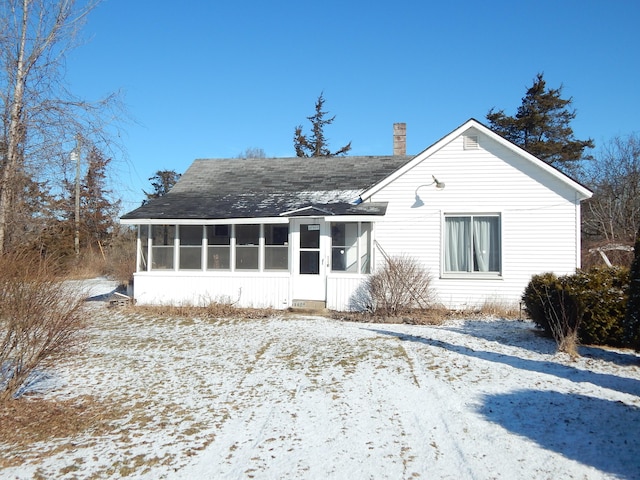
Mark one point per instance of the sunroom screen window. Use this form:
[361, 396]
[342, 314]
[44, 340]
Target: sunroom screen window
[218, 247]
[190, 247]
[472, 244]
[162, 238]
[344, 247]
[247, 246]
[350, 244]
[276, 247]
[144, 247]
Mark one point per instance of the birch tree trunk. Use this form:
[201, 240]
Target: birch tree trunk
[14, 136]
[40, 117]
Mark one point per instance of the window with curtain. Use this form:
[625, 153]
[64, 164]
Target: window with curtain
[472, 244]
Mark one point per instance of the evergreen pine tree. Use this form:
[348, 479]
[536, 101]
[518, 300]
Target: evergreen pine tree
[541, 126]
[316, 145]
[162, 182]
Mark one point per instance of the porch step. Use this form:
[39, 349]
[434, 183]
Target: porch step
[314, 305]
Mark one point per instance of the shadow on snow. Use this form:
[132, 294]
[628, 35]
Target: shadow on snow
[604, 380]
[596, 432]
[525, 335]
[582, 428]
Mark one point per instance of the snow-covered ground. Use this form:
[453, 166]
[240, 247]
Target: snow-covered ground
[314, 398]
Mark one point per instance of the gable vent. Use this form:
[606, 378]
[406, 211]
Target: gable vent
[471, 142]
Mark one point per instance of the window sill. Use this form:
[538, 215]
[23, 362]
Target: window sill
[471, 276]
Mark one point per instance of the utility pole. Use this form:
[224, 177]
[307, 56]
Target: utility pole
[75, 155]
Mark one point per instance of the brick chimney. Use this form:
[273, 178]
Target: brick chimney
[399, 139]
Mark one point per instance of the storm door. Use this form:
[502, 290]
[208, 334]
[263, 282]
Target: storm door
[309, 282]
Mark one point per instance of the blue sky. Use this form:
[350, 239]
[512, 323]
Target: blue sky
[208, 79]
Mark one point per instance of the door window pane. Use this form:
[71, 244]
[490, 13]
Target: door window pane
[310, 262]
[310, 236]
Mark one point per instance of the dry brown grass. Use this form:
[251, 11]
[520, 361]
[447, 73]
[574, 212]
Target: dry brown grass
[428, 316]
[27, 421]
[436, 315]
[211, 311]
[500, 309]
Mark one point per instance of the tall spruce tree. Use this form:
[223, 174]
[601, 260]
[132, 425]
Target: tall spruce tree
[98, 211]
[541, 126]
[316, 144]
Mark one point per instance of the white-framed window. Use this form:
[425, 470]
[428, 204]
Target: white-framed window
[351, 247]
[472, 244]
[143, 240]
[226, 247]
[162, 246]
[190, 253]
[276, 247]
[247, 246]
[218, 247]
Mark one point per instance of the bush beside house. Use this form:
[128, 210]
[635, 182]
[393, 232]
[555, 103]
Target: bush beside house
[593, 300]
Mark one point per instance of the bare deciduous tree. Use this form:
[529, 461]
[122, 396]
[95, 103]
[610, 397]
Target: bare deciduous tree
[252, 152]
[612, 215]
[40, 117]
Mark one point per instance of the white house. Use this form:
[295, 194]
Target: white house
[481, 214]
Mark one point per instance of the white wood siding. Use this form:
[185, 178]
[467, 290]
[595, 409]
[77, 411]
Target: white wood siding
[199, 289]
[341, 289]
[539, 218]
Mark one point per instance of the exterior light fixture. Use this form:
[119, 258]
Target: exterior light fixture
[418, 201]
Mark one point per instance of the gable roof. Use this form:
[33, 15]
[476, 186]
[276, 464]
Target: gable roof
[581, 190]
[213, 189]
[272, 187]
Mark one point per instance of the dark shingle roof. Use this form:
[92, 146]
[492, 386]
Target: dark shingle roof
[269, 187]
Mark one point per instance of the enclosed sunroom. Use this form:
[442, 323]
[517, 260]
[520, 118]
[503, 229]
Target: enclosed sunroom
[260, 233]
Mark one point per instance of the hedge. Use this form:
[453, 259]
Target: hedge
[596, 298]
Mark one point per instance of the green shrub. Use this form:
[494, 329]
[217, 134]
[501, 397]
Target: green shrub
[549, 302]
[540, 294]
[594, 299]
[602, 294]
[632, 317]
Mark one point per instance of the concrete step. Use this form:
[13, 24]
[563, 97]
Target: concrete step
[313, 305]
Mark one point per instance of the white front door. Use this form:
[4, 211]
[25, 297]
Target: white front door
[311, 258]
